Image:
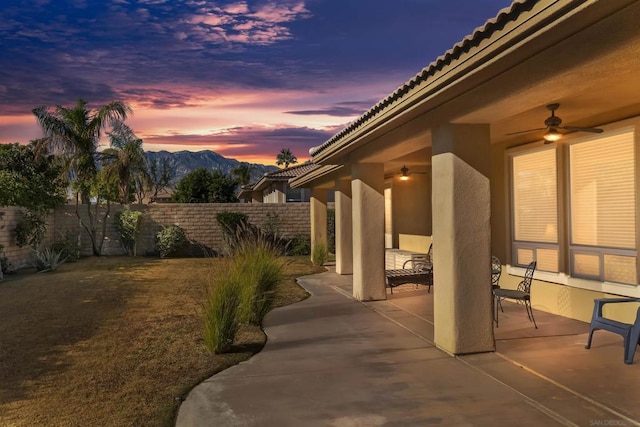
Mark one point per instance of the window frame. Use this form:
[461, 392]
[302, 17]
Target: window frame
[600, 251]
[526, 244]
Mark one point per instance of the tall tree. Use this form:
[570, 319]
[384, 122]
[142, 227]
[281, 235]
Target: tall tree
[243, 173]
[160, 174]
[74, 135]
[285, 157]
[125, 159]
[28, 180]
[203, 186]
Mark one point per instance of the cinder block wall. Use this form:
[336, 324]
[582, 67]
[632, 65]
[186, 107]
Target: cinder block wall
[198, 220]
[18, 257]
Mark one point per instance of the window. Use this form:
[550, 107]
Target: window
[603, 208]
[535, 209]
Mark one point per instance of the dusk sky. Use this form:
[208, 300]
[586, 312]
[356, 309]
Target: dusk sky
[242, 78]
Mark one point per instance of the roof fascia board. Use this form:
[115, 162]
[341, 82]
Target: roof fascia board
[316, 177]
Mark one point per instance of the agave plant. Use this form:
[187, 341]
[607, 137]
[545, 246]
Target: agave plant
[48, 260]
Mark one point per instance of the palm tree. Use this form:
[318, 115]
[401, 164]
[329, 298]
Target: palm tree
[125, 159]
[243, 173]
[74, 134]
[285, 157]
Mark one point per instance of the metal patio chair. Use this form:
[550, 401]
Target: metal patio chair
[523, 293]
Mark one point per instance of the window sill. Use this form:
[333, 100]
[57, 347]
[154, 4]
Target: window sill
[632, 291]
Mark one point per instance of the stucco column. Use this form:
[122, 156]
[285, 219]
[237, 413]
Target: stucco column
[463, 321]
[344, 230]
[318, 202]
[367, 189]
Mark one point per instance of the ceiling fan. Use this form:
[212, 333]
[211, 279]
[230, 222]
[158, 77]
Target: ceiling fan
[404, 173]
[553, 124]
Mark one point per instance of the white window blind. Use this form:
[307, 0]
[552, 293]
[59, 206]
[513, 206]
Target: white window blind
[535, 200]
[603, 192]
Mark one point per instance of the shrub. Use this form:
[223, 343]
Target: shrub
[319, 255]
[331, 230]
[170, 239]
[299, 245]
[4, 262]
[272, 224]
[221, 320]
[68, 246]
[48, 260]
[128, 225]
[31, 228]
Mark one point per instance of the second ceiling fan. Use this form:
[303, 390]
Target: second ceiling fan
[553, 124]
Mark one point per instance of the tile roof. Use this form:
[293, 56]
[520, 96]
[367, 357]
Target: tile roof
[484, 32]
[291, 172]
[279, 175]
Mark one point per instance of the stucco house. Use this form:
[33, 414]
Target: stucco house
[273, 187]
[473, 123]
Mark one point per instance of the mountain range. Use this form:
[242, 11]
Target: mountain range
[184, 162]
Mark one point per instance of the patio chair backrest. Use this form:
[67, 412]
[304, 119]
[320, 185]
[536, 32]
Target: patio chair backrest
[430, 253]
[496, 271]
[525, 285]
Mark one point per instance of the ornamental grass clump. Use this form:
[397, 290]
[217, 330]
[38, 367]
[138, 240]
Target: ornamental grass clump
[244, 293]
[320, 254]
[258, 270]
[221, 319]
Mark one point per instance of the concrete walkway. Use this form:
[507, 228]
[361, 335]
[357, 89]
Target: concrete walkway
[331, 361]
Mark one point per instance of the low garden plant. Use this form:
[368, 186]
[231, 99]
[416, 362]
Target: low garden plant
[320, 254]
[67, 245]
[221, 314]
[170, 239]
[246, 292]
[48, 260]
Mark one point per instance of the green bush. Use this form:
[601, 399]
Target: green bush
[31, 229]
[48, 260]
[272, 224]
[128, 225]
[299, 245]
[4, 262]
[221, 320]
[319, 255]
[170, 239]
[331, 230]
[68, 246]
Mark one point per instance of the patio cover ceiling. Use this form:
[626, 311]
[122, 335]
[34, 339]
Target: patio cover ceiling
[581, 54]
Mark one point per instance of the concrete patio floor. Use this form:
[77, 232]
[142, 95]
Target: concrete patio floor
[331, 361]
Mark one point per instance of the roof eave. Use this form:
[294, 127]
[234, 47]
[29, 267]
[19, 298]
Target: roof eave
[434, 85]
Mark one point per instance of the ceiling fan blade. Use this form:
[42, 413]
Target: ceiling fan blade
[526, 131]
[580, 129]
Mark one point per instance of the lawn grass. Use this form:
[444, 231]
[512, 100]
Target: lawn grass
[113, 341]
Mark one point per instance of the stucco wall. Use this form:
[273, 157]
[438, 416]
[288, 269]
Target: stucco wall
[198, 220]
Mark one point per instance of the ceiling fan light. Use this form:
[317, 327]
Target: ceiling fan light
[405, 173]
[552, 135]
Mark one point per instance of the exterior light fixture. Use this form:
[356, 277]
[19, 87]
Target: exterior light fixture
[405, 173]
[552, 135]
